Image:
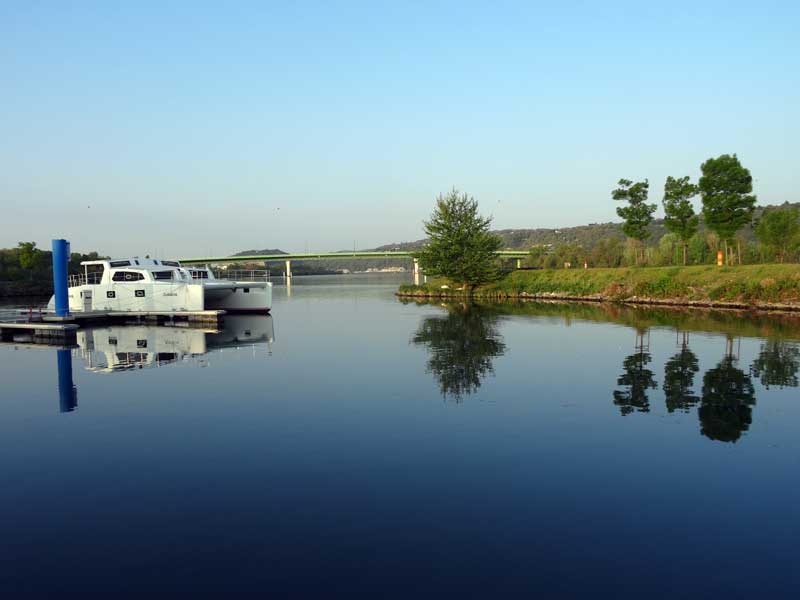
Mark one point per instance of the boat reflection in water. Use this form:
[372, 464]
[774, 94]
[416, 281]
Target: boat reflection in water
[121, 348]
[125, 347]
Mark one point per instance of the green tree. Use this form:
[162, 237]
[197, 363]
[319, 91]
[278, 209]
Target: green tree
[608, 252]
[30, 257]
[460, 245]
[573, 254]
[728, 205]
[679, 215]
[779, 230]
[638, 214]
[699, 253]
[668, 249]
[536, 256]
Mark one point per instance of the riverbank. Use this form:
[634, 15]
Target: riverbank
[766, 287]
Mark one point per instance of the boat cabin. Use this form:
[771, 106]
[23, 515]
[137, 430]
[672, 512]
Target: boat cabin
[130, 270]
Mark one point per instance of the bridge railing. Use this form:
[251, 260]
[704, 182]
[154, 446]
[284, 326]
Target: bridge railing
[243, 275]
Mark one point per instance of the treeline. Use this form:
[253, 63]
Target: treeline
[27, 269]
[726, 217]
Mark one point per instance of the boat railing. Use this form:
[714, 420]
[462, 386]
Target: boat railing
[253, 275]
[83, 279]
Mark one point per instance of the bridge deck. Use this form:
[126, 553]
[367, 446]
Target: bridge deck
[324, 256]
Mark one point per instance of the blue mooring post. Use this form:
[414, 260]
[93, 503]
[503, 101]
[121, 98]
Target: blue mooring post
[67, 392]
[60, 268]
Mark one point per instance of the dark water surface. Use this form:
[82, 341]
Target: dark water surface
[352, 445]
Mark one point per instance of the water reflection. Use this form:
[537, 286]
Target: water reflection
[461, 346]
[777, 364]
[120, 348]
[728, 395]
[636, 377]
[67, 392]
[679, 372]
[125, 347]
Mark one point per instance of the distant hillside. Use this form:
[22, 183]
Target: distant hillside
[256, 252]
[586, 236]
[583, 235]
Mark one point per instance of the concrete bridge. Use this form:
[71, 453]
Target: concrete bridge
[288, 258]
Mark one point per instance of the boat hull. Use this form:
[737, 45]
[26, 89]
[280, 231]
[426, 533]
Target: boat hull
[238, 296]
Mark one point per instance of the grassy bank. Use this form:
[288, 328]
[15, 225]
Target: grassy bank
[744, 286]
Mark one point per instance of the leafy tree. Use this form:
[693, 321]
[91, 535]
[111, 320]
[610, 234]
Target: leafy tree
[536, 256]
[667, 249]
[779, 230]
[725, 187]
[30, 257]
[462, 346]
[608, 252]
[638, 214]
[699, 252]
[679, 215]
[461, 247]
[573, 254]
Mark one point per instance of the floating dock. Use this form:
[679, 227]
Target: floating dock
[150, 316]
[40, 333]
[52, 330]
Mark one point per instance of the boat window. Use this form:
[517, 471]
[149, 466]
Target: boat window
[199, 274]
[170, 263]
[94, 274]
[246, 290]
[127, 276]
[162, 275]
[120, 263]
[111, 294]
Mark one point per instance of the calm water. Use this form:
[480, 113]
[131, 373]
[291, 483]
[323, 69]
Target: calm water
[352, 445]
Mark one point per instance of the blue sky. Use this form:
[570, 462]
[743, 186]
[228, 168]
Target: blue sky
[202, 127]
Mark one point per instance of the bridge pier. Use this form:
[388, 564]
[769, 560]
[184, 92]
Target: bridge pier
[416, 271]
[288, 272]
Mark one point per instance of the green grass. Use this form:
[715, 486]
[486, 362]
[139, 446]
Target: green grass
[748, 284]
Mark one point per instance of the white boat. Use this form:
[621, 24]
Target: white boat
[146, 284]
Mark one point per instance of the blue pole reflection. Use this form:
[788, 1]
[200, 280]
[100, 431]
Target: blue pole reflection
[67, 393]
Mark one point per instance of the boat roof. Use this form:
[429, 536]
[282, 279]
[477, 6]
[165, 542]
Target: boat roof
[135, 263]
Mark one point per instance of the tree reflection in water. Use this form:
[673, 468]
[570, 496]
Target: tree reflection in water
[637, 378]
[461, 346]
[728, 395]
[679, 372]
[777, 364]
